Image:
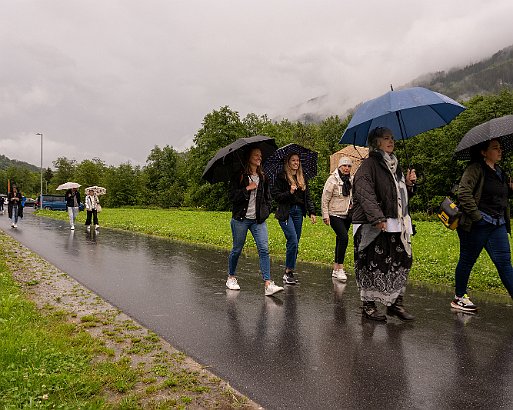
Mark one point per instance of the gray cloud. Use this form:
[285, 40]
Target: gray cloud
[113, 79]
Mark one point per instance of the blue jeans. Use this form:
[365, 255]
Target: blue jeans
[261, 236]
[292, 229]
[14, 215]
[494, 239]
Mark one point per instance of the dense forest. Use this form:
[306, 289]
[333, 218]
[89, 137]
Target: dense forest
[173, 179]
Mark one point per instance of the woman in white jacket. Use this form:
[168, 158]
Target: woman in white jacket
[336, 203]
[91, 204]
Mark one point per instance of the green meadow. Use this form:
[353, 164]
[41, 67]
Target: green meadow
[435, 248]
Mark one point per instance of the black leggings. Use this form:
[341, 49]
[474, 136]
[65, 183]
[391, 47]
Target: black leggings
[93, 214]
[341, 227]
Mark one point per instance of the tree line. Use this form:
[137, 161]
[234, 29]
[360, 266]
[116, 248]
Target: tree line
[173, 179]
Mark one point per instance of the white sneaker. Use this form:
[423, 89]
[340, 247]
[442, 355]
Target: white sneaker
[72, 227]
[15, 226]
[88, 228]
[97, 227]
[272, 288]
[339, 274]
[231, 283]
[342, 275]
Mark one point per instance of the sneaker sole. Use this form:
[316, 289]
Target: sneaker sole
[463, 309]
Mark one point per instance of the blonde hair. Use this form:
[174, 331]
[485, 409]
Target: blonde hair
[299, 174]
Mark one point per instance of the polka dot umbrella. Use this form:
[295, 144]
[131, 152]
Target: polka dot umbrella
[501, 128]
[273, 166]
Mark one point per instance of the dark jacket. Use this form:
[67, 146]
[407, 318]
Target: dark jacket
[470, 189]
[12, 203]
[239, 196]
[374, 191]
[69, 198]
[283, 197]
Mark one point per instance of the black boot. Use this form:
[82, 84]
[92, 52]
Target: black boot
[397, 309]
[370, 311]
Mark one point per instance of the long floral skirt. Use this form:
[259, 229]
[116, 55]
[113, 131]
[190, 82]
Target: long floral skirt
[382, 268]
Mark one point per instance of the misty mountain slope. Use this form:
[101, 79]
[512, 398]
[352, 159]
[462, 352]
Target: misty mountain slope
[488, 76]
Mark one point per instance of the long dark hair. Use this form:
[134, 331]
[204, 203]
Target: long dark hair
[247, 169]
[475, 151]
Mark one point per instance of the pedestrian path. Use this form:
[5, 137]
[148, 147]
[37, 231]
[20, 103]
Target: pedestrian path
[305, 348]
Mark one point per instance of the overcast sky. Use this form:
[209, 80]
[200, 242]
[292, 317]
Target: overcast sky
[113, 78]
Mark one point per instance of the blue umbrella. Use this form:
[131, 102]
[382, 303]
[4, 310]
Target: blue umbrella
[407, 113]
[273, 166]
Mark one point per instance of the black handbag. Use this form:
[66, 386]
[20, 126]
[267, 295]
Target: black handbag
[449, 213]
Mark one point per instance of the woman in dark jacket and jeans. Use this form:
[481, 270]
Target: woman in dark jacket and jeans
[293, 198]
[251, 205]
[483, 198]
[382, 228]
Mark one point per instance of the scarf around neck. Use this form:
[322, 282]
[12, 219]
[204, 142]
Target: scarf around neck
[402, 200]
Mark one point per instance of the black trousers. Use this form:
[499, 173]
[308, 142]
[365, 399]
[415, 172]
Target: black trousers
[341, 227]
[93, 214]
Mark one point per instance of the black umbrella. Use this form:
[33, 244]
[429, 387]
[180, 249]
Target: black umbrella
[501, 128]
[273, 166]
[230, 159]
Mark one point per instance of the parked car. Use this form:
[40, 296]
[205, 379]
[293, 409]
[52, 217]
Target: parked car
[54, 203]
[30, 202]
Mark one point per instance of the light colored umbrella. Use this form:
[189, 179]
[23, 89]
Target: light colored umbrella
[68, 185]
[98, 190]
[357, 155]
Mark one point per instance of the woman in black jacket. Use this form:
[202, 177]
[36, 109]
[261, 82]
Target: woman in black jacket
[382, 228]
[14, 208]
[251, 205]
[291, 193]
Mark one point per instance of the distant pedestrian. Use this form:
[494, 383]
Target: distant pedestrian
[14, 208]
[382, 228]
[336, 202]
[485, 223]
[292, 196]
[251, 204]
[2, 204]
[72, 205]
[91, 205]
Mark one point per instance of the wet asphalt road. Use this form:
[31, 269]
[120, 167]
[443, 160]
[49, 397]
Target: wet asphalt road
[306, 348]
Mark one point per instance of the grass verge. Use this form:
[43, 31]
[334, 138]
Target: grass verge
[435, 248]
[61, 346]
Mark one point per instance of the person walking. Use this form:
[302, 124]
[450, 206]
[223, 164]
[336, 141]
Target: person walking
[91, 205]
[251, 204]
[485, 222]
[382, 228]
[291, 194]
[14, 208]
[336, 205]
[72, 205]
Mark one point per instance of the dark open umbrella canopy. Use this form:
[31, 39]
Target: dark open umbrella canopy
[273, 166]
[407, 113]
[501, 128]
[230, 159]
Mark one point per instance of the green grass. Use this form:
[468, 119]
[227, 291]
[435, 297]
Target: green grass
[435, 248]
[44, 359]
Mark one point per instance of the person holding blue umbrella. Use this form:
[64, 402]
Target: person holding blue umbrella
[382, 228]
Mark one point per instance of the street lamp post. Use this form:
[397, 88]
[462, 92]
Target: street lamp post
[41, 169]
